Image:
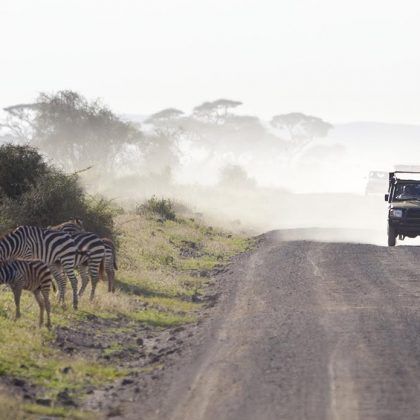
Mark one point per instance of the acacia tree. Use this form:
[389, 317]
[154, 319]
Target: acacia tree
[301, 127]
[167, 114]
[167, 122]
[73, 131]
[217, 112]
[19, 122]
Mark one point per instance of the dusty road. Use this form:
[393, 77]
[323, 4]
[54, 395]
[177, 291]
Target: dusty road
[306, 330]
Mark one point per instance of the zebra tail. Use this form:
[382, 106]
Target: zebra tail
[54, 287]
[102, 270]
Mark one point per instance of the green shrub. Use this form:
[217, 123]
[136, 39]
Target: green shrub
[54, 198]
[163, 208]
[98, 216]
[20, 167]
[46, 196]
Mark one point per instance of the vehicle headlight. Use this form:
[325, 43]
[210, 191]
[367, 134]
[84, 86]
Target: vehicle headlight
[396, 213]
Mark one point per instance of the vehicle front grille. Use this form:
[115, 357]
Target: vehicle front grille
[413, 216]
[413, 213]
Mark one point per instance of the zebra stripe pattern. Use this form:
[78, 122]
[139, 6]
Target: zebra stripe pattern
[56, 249]
[90, 255]
[89, 260]
[75, 226]
[34, 276]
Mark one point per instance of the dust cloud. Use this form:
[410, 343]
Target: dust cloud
[260, 182]
[292, 171]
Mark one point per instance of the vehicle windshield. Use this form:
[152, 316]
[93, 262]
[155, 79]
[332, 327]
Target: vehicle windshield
[406, 192]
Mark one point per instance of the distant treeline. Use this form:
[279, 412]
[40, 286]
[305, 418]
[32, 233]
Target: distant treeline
[76, 133]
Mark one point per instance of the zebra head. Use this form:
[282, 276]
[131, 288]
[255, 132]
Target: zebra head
[72, 226]
[77, 223]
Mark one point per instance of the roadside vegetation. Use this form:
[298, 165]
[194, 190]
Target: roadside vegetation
[164, 267]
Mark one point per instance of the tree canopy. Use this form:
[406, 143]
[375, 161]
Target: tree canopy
[217, 111]
[301, 127]
[165, 115]
[73, 131]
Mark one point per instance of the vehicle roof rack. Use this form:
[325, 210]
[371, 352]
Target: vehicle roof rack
[394, 178]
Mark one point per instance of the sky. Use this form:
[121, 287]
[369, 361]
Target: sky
[355, 60]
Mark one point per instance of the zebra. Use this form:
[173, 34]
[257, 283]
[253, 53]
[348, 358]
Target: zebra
[90, 259]
[34, 276]
[75, 226]
[56, 249]
[91, 253]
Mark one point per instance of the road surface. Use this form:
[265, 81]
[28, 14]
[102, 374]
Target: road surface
[307, 330]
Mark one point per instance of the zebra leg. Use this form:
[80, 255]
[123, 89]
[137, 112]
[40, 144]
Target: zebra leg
[73, 281]
[111, 275]
[84, 274]
[17, 292]
[40, 301]
[46, 296]
[94, 275]
[60, 279]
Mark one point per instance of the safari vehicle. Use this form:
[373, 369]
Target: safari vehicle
[377, 182]
[404, 205]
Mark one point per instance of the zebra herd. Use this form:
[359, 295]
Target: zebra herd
[31, 257]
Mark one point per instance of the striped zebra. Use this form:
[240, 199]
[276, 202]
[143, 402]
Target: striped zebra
[34, 276]
[75, 226]
[56, 249]
[90, 260]
[90, 256]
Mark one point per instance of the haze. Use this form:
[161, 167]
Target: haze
[344, 61]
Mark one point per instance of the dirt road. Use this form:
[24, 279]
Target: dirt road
[305, 330]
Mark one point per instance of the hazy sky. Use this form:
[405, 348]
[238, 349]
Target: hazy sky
[340, 59]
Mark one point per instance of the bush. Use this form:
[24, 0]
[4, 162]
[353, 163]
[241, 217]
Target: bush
[48, 197]
[56, 197]
[234, 176]
[163, 208]
[98, 216]
[20, 167]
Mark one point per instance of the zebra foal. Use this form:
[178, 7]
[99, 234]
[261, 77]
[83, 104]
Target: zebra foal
[33, 276]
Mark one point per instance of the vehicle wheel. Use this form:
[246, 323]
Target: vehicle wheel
[392, 236]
